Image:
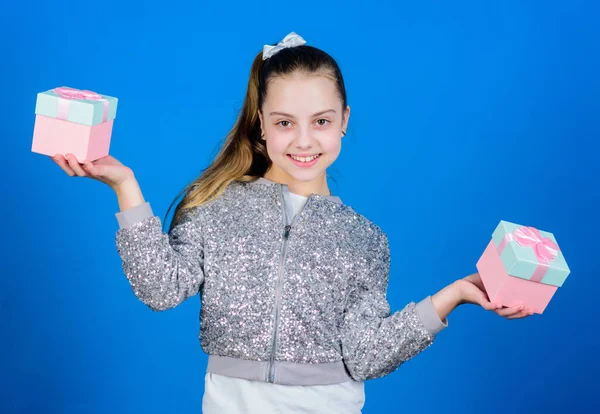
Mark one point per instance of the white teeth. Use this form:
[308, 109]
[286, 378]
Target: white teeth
[304, 159]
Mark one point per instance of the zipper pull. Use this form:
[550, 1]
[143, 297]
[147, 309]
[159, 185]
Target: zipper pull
[288, 228]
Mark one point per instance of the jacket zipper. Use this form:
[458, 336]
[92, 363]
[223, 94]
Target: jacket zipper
[270, 374]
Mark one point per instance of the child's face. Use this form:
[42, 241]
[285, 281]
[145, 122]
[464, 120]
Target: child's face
[302, 116]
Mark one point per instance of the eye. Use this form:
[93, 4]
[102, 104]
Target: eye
[326, 121]
[281, 123]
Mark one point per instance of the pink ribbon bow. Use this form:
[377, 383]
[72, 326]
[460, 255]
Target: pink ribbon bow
[545, 249]
[67, 94]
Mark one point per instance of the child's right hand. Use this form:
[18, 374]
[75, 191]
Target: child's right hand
[107, 170]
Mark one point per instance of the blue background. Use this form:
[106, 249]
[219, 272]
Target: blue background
[463, 114]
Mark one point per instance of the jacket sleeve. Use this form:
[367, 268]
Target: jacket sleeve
[374, 341]
[163, 269]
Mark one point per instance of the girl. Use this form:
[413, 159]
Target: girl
[293, 282]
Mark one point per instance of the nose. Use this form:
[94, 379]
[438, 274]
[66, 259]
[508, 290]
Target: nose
[304, 138]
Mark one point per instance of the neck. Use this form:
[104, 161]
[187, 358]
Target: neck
[303, 188]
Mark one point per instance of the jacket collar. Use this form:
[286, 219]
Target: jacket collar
[264, 181]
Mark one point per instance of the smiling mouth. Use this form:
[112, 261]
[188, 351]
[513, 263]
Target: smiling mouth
[304, 159]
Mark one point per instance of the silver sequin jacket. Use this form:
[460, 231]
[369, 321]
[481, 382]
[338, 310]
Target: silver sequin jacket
[298, 302]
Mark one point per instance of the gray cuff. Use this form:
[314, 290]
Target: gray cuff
[134, 215]
[429, 316]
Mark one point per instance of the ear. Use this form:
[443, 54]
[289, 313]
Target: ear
[346, 117]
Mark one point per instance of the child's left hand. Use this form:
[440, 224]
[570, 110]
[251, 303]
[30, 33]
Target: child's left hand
[472, 290]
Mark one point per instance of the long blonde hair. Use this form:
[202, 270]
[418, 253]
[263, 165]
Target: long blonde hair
[243, 156]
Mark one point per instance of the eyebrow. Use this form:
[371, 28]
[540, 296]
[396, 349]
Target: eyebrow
[291, 116]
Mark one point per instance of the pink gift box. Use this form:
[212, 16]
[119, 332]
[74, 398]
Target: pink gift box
[53, 136]
[73, 121]
[507, 290]
[522, 265]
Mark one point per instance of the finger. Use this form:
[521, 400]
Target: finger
[484, 302]
[476, 280]
[62, 162]
[521, 314]
[487, 305]
[108, 160]
[505, 312]
[92, 170]
[75, 166]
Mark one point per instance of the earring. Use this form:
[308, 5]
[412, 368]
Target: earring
[344, 132]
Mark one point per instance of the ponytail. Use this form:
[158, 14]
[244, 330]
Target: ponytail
[243, 156]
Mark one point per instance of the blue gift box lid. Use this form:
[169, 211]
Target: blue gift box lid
[521, 260]
[81, 111]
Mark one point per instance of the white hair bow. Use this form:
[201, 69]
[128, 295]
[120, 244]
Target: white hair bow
[291, 40]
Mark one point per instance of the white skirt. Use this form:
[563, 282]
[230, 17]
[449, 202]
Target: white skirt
[236, 396]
